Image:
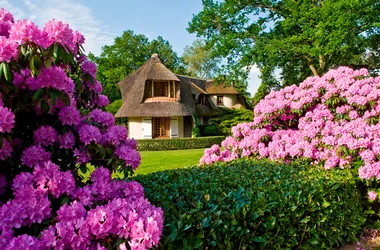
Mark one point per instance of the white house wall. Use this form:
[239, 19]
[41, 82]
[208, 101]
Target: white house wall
[135, 127]
[228, 100]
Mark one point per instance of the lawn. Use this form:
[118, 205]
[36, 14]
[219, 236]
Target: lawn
[152, 161]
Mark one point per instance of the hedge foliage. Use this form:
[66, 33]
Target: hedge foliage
[177, 143]
[256, 205]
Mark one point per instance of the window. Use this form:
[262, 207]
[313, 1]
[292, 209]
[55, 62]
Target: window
[219, 100]
[201, 100]
[161, 89]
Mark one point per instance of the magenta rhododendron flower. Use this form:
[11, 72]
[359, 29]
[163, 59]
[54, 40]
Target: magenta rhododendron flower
[34, 155]
[88, 133]
[26, 31]
[66, 141]
[45, 135]
[103, 118]
[8, 49]
[52, 128]
[7, 120]
[5, 150]
[69, 116]
[6, 21]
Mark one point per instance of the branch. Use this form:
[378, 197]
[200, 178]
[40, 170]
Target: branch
[311, 66]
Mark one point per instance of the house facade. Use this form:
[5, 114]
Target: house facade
[161, 104]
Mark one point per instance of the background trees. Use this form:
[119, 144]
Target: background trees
[301, 38]
[199, 61]
[129, 52]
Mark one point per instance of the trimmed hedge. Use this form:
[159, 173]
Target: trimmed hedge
[178, 143]
[256, 205]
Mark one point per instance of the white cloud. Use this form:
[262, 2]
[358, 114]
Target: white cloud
[254, 80]
[77, 15]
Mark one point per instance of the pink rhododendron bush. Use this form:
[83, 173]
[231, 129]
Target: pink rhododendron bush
[52, 125]
[332, 120]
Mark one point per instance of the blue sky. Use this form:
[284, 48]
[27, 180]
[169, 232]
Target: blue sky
[101, 21]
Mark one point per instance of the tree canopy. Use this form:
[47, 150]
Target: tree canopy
[199, 61]
[129, 52]
[301, 38]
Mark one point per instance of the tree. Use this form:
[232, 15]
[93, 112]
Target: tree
[301, 38]
[129, 52]
[199, 61]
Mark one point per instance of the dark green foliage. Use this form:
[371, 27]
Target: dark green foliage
[256, 205]
[299, 38]
[205, 130]
[196, 132]
[230, 118]
[178, 143]
[114, 106]
[210, 130]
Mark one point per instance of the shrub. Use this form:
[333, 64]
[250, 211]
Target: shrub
[229, 118]
[195, 132]
[210, 130]
[53, 124]
[255, 205]
[332, 120]
[177, 143]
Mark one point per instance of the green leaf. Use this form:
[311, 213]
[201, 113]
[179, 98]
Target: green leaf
[38, 94]
[56, 51]
[8, 74]
[37, 62]
[325, 204]
[259, 239]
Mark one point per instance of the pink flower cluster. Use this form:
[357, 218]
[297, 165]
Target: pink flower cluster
[21, 31]
[117, 208]
[333, 120]
[52, 119]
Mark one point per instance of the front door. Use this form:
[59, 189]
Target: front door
[161, 127]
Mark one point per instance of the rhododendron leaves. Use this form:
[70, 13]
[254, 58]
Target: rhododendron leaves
[6, 71]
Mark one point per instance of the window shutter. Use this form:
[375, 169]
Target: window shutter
[147, 128]
[173, 127]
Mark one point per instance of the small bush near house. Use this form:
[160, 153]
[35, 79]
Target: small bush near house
[113, 108]
[255, 205]
[178, 143]
[229, 118]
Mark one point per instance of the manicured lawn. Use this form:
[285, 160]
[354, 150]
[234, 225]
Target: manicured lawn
[152, 161]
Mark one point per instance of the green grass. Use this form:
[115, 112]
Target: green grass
[152, 161]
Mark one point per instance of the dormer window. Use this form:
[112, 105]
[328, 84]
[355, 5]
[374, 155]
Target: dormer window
[201, 100]
[163, 90]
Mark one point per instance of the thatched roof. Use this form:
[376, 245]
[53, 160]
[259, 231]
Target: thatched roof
[214, 89]
[133, 86]
[158, 71]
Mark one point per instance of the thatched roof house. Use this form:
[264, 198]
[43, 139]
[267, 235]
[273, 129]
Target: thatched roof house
[159, 103]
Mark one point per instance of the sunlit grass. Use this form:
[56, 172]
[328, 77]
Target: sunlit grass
[152, 161]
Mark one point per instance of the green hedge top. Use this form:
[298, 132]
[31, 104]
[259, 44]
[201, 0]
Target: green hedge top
[255, 205]
[178, 143]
